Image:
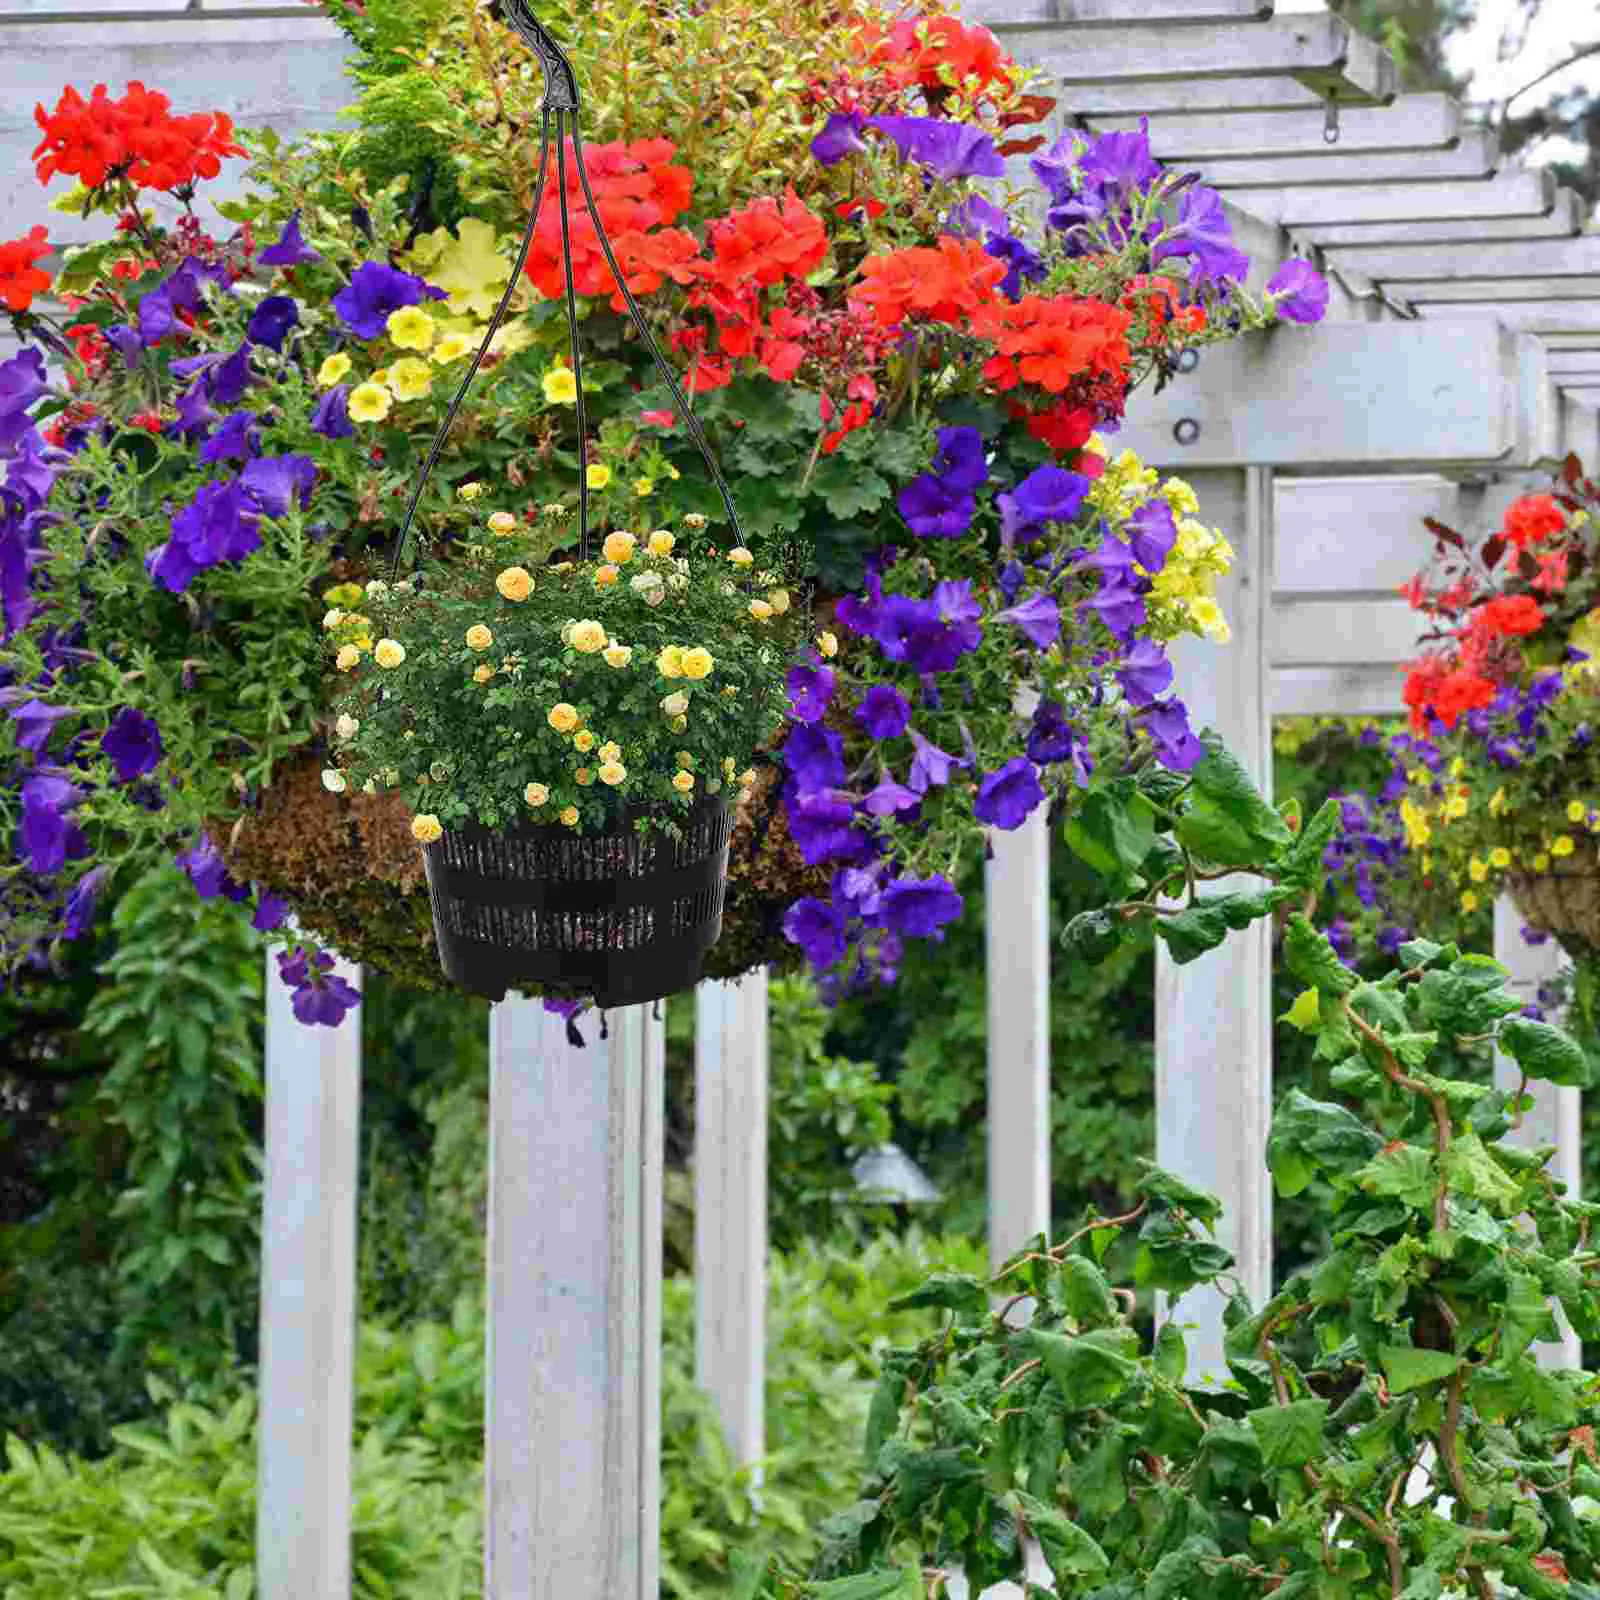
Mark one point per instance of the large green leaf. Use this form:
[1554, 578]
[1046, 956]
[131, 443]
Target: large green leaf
[1545, 1053]
[1089, 1370]
[1068, 1550]
[1310, 1136]
[1113, 829]
[1408, 1368]
[1291, 1435]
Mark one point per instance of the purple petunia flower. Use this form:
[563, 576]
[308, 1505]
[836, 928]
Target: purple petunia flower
[976, 215]
[1058, 166]
[23, 380]
[1203, 233]
[960, 463]
[1052, 738]
[81, 902]
[840, 137]
[374, 293]
[238, 437]
[1007, 798]
[947, 149]
[1023, 264]
[47, 835]
[274, 482]
[815, 755]
[822, 827]
[231, 377]
[1145, 673]
[935, 510]
[35, 721]
[181, 291]
[1120, 164]
[332, 416]
[919, 908]
[271, 912]
[125, 340]
[290, 250]
[883, 712]
[194, 412]
[1152, 533]
[220, 524]
[810, 688]
[1051, 494]
[133, 744]
[271, 321]
[1176, 745]
[1012, 577]
[890, 797]
[818, 929]
[1304, 291]
[930, 765]
[1038, 616]
[1121, 609]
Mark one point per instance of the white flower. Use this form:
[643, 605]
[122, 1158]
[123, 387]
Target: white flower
[645, 582]
[332, 619]
[677, 582]
[333, 780]
[405, 586]
[347, 727]
[377, 587]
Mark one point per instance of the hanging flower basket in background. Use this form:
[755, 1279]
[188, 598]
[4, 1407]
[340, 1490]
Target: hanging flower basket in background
[1563, 901]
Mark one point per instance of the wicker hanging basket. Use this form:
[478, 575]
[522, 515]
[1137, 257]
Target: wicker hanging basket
[1564, 902]
[621, 916]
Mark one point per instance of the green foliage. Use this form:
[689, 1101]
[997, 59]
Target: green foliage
[1407, 1344]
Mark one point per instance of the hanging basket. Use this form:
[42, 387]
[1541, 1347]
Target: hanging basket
[621, 917]
[1564, 902]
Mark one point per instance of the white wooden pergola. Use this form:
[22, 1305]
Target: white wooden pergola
[1317, 450]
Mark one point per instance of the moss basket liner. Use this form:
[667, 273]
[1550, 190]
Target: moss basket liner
[1564, 902]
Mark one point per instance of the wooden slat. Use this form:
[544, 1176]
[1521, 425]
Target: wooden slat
[1507, 289]
[1570, 325]
[1413, 122]
[1337, 691]
[1431, 264]
[1333, 633]
[1356, 535]
[1563, 220]
[1507, 194]
[1574, 364]
[1090, 13]
[1474, 156]
[1186, 97]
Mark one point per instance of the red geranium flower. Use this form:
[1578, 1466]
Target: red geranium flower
[1532, 519]
[20, 279]
[1510, 614]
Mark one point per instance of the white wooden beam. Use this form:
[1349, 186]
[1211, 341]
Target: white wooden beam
[730, 1207]
[1580, 427]
[1355, 535]
[1318, 51]
[1557, 1114]
[1428, 264]
[1416, 122]
[1566, 340]
[1506, 194]
[1474, 156]
[1213, 1016]
[1085, 13]
[574, 1347]
[1510, 290]
[1337, 691]
[308, 1298]
[1541, 317]
[1565, 364]
[1563, 221]
[1189, 97]
[1325, 633]
[1017, 946]
[1423, 395]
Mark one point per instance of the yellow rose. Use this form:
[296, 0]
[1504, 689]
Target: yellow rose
[697, 663]
[584, 776]
[515, 583]
[479, 637]
[778, 599]
[598, 476]
[828, 644]
[426, 829]
[502, 522]
[347, 727]
[390, 653]
[739, 556]
[482, 674]
[748, 776]
[605, 576]
[618, 655]
[619, 547]
[696, 519]
[332, 619]
[685, 758]
[333, 369]
[563, 717]
[611, 751]
[670, 661]
[644, 487]
[661, 543]
[536, 794]
[347, 658]
[760, 610]
[583, 741]
[451, 348]
[569, 815]
[343, 594]
[683, 782]
[612, 773]
[560, 387]
[370, 402]
[469, 491]
[411, 328]
[411, 379]
[589, 636]
[675, 705]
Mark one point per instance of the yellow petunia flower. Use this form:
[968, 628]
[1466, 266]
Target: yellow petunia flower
[370, 402]
[560, 387]
[389, 653]
[828, 644]
[697, 663]
[1455, 807]
[450, 348]
[1576, 811]
[1564, 846]
[644, 487]
[563, 717]
[1469, 901]
[1477, 870]
[536, 794]
[411, 328]
[1418, 832]
[478, 637]
[1500, 858]
[333, 369]
[426, 828]
[598, 475]
[411, 379]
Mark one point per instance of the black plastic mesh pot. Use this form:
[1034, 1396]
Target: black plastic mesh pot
[622, 917]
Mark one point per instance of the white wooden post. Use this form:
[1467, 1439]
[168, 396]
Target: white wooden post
[1017, 946]
[573, 1455]
[1556, 1117]
[730, 1206]
[308, 1299]
[1214, 1016]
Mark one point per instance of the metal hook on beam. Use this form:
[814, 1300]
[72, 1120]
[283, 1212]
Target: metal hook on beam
[1330, 121]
